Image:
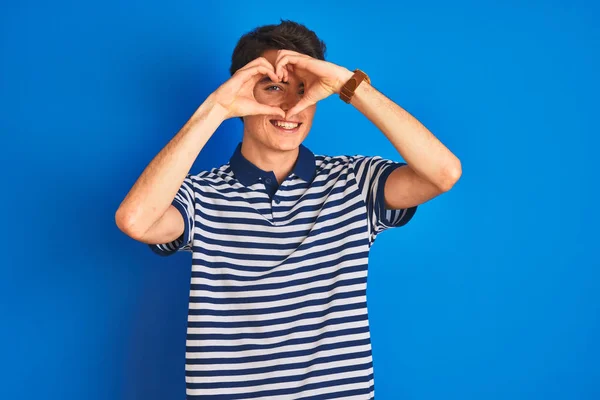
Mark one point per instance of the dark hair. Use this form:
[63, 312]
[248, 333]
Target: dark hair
[288, 35]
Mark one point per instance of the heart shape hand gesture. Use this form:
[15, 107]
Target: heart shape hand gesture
[321, 78]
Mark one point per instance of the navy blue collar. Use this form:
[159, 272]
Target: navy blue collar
[248, 173]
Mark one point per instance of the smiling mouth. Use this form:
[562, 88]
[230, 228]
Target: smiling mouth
[286, 127]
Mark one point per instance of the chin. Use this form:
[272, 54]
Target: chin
[285, 145]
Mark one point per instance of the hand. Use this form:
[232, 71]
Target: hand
[236, 95]
[321, 78]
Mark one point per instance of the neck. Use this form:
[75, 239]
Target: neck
[281, 162]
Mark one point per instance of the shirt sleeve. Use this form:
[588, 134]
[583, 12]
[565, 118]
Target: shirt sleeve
[371, 173]
[185, 203]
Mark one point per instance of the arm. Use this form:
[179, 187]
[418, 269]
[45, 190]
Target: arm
[146, 213]
[431, 168]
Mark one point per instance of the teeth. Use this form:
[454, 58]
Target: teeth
[286, 125]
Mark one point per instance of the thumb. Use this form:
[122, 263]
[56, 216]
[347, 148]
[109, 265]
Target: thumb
[301, 105]
[268, 110]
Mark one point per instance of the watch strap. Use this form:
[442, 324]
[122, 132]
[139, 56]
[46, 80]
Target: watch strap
[349, 87]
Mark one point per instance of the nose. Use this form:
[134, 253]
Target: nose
[289, 100]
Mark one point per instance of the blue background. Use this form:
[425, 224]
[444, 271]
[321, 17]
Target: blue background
[492, 291]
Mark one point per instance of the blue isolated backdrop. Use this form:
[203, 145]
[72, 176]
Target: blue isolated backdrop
[491, 292]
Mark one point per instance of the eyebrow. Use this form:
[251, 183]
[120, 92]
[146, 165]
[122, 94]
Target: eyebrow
[267, 79]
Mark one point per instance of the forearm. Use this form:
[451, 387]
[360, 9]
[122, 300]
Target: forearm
[421, 150]
[155, 189]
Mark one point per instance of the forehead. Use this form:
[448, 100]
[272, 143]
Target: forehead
[270, 55]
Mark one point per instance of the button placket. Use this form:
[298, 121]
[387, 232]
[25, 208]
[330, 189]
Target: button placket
[278, 216]
[267, 212]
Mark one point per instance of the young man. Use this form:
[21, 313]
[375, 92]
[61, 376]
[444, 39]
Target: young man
[280, 236]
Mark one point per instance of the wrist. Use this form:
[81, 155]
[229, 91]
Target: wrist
[212, 109]
[344, 77]
[353, 85]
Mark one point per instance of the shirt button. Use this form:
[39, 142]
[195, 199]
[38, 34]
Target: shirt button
[268, 180]
[277, 200]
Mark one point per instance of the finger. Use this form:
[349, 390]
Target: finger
[271, 73]
[257, 72]
[295, 61]
[266, 71]
[283, 53]
[280, 67]
[258, 62]
[271, 68]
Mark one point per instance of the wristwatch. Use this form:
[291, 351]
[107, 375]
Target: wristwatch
[349, 87]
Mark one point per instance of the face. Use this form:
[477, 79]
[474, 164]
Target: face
[261, 130]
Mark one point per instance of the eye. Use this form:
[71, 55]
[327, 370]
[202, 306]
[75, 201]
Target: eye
[268, 88]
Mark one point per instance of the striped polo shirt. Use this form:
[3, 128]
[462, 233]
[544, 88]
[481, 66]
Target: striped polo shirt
[277, 306]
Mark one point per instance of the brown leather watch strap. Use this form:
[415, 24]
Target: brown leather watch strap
[349, 87]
